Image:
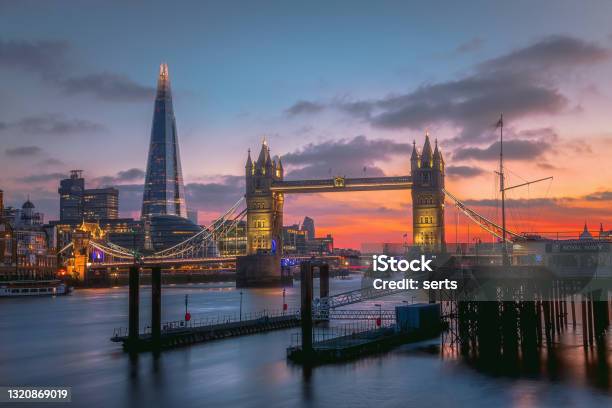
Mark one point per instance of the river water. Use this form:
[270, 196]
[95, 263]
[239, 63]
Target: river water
[64, 341]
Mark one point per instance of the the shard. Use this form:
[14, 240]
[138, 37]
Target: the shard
[164, 192]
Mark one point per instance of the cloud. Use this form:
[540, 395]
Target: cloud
[52, 124]
[549, 53]
[51, 60]
[217, 195]
[52, 162]
[599, 196]
[474, 44]
[131, 174]
[347, 157]
[43, 57]
[121, 177]
[22, 151]
[546, 166]
[516, 149]
[464, 171]
[521, 83]
[43, 178]
[108, 86]
[304, 107]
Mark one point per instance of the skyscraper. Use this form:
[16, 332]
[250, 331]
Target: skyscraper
[309, 226]
[71, 196]
[164, 193]
[80, 204]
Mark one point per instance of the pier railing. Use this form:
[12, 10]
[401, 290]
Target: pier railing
[211, 321]
[339, 335]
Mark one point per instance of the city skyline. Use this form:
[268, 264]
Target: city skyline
[322, 118]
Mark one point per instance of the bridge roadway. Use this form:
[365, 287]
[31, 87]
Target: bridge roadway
[163, 262]
[343, 184]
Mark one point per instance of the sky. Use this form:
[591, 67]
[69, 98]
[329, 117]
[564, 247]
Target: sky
[333, 86]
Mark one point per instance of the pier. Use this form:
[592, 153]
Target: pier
[181, 333]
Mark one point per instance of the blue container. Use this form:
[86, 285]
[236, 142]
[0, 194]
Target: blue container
[417, 317]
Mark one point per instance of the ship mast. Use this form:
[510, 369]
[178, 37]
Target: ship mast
[502, 189]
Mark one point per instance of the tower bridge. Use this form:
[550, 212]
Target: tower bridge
[266, 188]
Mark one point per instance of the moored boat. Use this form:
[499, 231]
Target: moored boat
[34, 288]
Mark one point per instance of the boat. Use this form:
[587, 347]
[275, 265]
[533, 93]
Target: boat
[20, 288]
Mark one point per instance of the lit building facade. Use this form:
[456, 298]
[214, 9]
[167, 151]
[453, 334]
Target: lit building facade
[428, 198]
[26, 248]
[101, 204]
[164, 192]
[294, 240]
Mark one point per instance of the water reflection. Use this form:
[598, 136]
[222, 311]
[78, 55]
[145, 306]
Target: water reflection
[65, 341]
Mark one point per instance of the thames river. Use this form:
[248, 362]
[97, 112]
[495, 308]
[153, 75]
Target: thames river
[65, 341]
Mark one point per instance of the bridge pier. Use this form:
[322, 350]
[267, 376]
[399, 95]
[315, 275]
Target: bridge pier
[134, 300]
[260, 270]
[306, 303]
[323, 280]
[156, 304]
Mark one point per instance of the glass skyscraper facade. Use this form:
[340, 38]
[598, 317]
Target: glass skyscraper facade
[164, 192]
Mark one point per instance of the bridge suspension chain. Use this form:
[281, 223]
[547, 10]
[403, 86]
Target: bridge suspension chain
[483, 221]
[204, 237]
[189, 247]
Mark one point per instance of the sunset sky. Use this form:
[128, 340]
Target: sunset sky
[334, 87]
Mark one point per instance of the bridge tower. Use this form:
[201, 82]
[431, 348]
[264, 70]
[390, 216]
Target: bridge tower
[428, 197]
[261, 265]
[265, 208]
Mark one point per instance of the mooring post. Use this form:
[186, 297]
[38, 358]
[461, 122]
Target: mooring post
[547, 323]
[134, 300]
[573, 312]
[539, 321]
[583, 308]
[156, 303]
[323, 281]
[306, 309]
[590, 316]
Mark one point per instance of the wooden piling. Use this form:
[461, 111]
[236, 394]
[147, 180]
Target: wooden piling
[583, 307]
[573, 312]
[590, 317]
